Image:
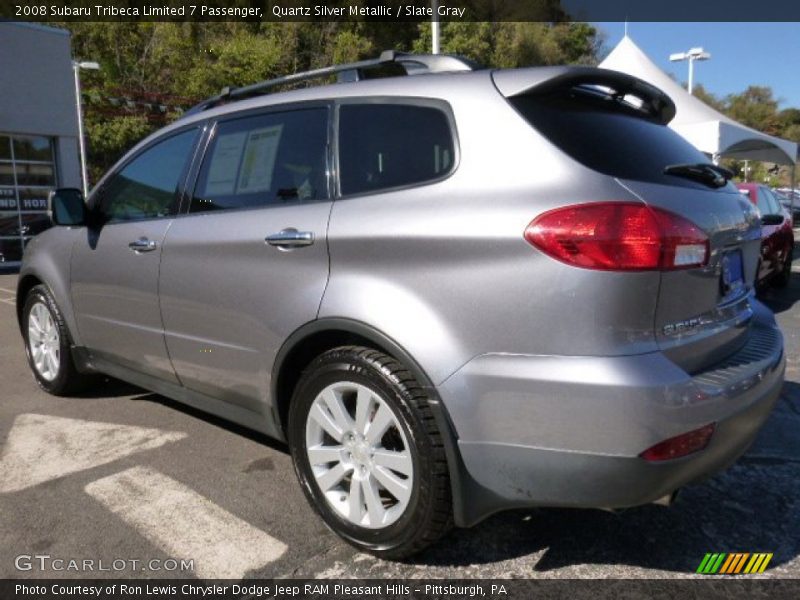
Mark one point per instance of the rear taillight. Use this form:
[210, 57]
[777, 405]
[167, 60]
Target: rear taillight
[680, 445]
[619, 236]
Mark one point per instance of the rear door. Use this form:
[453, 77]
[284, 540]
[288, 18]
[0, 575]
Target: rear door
[248, 263]
[702, 313]
[115, 264]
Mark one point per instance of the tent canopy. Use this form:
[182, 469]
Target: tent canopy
[705, 128]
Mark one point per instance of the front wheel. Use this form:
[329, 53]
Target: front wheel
[47, 344]
[368, 453]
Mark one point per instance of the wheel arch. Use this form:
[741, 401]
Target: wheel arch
[25, 285]
[316, 337]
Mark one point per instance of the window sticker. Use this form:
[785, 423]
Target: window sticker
[258, 161]
[222, 172]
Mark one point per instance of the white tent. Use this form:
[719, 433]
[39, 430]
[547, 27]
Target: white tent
[708, 130]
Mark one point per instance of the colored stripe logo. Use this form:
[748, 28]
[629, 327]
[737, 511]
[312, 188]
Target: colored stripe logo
[734, 563]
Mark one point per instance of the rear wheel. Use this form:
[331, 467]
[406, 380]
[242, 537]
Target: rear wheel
[368, 454]
[47, 344]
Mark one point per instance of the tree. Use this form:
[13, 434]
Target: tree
[790, 123]
[110, 138]
[512, 44]
[756, 108]
[703, 94]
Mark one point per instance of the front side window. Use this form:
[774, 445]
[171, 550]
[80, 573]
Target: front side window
[146, 188]
[262, 160]
[383, 146]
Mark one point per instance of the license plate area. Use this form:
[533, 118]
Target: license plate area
[731, 281]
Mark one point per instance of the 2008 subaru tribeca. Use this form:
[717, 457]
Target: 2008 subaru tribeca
[451, 293]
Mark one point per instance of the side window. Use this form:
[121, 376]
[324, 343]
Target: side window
[266, 159]
[775, 204]
[764, 203]
[146, 187]
[389, 145]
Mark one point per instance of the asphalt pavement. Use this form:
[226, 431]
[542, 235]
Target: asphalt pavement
[137, 485]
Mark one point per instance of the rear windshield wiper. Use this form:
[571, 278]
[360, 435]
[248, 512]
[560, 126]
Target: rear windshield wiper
[712, 175]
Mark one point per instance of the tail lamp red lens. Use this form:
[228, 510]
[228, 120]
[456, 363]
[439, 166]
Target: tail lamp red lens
[680, 445]
[619, 236]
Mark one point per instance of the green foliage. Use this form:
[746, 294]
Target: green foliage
[110, 138]
[234, 61]
[506, 45]
[700, 92]
[756, 108]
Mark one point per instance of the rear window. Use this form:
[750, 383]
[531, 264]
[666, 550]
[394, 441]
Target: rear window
[608, 137]
[384, 146]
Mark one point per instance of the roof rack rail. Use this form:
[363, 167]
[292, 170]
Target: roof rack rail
[412, 63]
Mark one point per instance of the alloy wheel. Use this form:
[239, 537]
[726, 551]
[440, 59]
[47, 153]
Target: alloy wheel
[44, 341]
[359, 455]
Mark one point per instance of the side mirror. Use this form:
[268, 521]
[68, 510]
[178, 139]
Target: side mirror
[772, 219]
[67, 207]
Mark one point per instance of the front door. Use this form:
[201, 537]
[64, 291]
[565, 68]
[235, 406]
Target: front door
[115, 265]
[248, 264]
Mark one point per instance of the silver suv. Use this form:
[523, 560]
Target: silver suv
[452, 291]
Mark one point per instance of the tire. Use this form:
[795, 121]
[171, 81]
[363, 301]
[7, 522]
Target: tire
[781, 280]
[43, 323]
[371, 455]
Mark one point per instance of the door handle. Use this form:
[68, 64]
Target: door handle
[290, 238]
[142, 245]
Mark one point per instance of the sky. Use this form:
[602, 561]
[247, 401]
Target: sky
[742, 54]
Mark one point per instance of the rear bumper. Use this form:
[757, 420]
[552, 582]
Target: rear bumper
[568, 431]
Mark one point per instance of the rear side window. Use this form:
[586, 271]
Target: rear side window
[263, 160]
[767, 204]
[383, 146]
[606, 137]
[762, 201]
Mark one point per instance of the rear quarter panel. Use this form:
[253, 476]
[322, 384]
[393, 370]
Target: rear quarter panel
[443, 269]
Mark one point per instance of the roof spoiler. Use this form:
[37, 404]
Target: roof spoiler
[410, 64]
[613, 83]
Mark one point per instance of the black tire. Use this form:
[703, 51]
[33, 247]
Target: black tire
[68, 380]
[782, 279]
[428, 515]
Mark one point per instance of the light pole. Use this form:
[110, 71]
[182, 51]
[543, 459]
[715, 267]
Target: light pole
[435, 27]
[76, 67]
[692, 55]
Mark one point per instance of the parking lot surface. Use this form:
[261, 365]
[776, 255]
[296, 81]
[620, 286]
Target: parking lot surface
[132, 481]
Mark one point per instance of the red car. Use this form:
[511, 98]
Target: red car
[777, 237]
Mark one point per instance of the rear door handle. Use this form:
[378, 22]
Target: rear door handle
[290, 238]
[142, 245]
